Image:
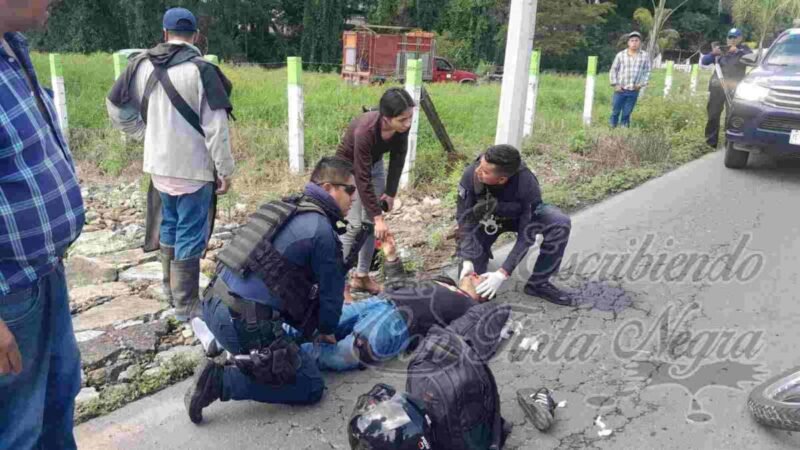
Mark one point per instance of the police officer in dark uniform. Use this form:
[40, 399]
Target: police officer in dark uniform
[284, 266]
[733, 71]
[499, 194]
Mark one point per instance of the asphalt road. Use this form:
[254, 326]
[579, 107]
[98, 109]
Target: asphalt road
[689, 393]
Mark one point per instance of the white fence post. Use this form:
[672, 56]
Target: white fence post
[212, 59]
[695, 78]
[591, 80]
[533, 93]
[60, 93]
[414, 87]
[668, 78]
[120, 64]
[296, 115]
[516, 69]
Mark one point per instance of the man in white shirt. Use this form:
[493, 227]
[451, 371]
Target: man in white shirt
[179, 104]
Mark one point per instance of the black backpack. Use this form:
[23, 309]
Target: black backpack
[449, 372]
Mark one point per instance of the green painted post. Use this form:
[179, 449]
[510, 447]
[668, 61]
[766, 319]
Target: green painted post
[533, 93]
[120, 63]
[414, 87]
[294, 69]
[695, 78]
[668, 78]
[588, 103]
[212, 58]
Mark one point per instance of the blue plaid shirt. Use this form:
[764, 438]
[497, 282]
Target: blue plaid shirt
[41, 209]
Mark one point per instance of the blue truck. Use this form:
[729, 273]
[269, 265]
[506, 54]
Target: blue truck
[765, 115]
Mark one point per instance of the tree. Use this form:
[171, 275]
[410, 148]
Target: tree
[762, 15]
[660, 16]
[561, 24]
[666, 38]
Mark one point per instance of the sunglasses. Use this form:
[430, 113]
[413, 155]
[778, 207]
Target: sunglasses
[349, 188]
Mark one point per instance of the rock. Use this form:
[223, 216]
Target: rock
[117, 390]
[86, 395]
[150, 271]
[130, 373]
[120, 309]
[100, 243]
[187, 334]
[128, 324]
[85, 336]
[90, 228]
[153, 372]
[132, 231]
[214, 244]
[156, 292]
[82, 271]
[429, 202]
[126, 259]
[141, 338]
[240, 207]
[98, 351]
[194, 354]
[85, 297]
[114, 371]
[207, 266]
[90, 217]
[224, 236]
[96, 377]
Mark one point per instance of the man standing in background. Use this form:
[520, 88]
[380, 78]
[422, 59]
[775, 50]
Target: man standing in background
[630, 72]
[179, 104]
[41, 214]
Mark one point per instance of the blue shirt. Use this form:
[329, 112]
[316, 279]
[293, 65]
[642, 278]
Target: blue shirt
[41, 209]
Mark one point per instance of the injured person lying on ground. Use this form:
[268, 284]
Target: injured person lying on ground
[381, 327]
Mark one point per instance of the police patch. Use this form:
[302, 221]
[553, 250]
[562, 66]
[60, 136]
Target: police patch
[462, 192]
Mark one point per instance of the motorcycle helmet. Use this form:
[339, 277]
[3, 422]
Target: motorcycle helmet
[384, 419]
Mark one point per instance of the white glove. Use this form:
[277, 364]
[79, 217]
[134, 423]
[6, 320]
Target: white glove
[491, 284]
[466, 269]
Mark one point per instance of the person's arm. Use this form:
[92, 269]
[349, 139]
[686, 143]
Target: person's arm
[362, 166]
[646, 69]
[530, 198]
[216, 127]
[467, 225]
[708, 59]
[397, 160]
[327, 270]
[127, 118]
[613, 74]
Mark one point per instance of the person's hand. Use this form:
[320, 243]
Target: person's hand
[716, 51]
[733, 49]
[617, 88]
[491, 283]
[381, 229]
[326, 339]
[389, 247]
[389, 201]
[637, 87]
[467, 268]
[10, 358]
[223, 185]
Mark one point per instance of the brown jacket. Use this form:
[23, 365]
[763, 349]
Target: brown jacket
[363, 146]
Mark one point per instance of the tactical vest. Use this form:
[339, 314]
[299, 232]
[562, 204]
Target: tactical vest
[251, 252]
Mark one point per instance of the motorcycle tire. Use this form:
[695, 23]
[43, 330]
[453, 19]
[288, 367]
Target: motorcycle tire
[776, 402]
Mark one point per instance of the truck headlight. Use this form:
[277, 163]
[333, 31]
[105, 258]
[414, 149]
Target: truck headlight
[751, 92]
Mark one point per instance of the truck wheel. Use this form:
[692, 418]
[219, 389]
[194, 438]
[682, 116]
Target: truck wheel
[735, 159]
[776, 402]
[468, 82]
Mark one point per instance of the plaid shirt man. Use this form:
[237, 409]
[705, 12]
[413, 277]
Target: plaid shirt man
[41, 209]
[629, 71]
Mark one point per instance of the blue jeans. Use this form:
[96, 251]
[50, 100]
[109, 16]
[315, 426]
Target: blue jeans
[623, 104]
[36, 406]
[377, 321]
[184, 222]
[231, 333]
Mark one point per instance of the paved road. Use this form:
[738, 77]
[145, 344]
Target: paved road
[700, 209]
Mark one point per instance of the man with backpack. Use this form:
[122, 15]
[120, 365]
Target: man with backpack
[179, 104]
[499, 194]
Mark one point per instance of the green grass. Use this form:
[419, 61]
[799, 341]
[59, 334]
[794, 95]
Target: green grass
[562, 152]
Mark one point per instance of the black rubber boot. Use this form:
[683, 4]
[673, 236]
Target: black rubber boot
[185, 283]
[548, 291]
[206, 387]
[167, 256]
[538, 406]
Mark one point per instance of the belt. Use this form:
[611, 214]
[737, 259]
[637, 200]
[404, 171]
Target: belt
[251, 311]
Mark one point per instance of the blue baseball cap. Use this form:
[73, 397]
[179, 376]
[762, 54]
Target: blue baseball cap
[180, 19]
[735, 33]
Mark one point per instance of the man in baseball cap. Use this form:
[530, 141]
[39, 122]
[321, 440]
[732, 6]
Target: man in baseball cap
[181, 20]
[630, 72]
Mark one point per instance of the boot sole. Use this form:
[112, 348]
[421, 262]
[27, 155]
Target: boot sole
[547, 299]
[191, 399]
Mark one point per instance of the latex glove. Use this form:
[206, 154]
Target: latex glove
[467, 268]
[491, 284]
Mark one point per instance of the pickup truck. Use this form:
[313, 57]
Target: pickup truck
[765, 115]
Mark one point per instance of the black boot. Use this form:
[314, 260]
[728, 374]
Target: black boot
[185, 284]
[548, 291]
[167, 255]
[206, 387]
[538, 406]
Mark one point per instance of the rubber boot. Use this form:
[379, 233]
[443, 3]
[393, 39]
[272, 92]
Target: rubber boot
[167, 255]
[185, 283]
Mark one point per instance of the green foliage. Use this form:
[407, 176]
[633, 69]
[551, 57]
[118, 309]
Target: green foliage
[561, 24]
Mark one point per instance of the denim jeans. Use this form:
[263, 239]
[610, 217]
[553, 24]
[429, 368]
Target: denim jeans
[358, 215]
[232, 334]
[377, 321]
[622, 105]
[184, 222]
[36, 406]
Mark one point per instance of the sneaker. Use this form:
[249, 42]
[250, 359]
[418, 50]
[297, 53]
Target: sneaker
[548, 291]
[366, 283]
[205, 388]
[538, 406]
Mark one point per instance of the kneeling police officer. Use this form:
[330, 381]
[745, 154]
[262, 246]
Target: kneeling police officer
[284, 266]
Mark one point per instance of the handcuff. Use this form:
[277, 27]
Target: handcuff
[490, 225]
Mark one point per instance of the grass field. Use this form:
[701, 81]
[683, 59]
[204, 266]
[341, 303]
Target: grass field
[576, 165]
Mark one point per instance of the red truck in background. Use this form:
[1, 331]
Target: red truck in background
[370, 57]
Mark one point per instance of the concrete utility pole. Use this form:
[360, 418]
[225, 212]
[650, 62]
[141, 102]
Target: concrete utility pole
[414, 88]
[60, 93]
[588, 97]
[294, 68]
[513, 98]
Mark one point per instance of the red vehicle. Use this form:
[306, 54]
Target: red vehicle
[372, 57]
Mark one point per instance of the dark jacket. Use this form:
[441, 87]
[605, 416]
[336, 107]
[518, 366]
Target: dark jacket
[308, 240]
[516, 202]
[363, 145]
[730, 64]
